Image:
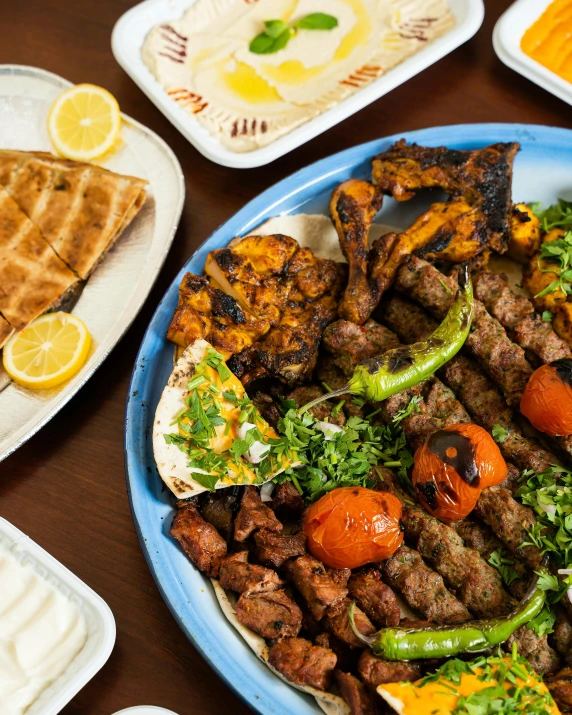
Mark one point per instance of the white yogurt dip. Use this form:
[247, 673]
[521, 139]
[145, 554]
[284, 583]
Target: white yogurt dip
[41, 632]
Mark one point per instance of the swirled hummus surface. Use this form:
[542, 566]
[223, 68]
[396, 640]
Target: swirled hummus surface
[248, 100]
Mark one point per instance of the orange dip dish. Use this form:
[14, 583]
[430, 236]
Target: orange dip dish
[549, 39]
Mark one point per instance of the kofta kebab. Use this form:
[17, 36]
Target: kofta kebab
[347, 440]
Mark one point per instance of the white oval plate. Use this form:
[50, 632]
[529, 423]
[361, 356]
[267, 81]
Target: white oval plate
[116, 291]
[132, 28]
[507, 35]
[98, 617]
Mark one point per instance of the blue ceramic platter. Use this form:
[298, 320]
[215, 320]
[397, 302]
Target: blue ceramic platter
[543, 172]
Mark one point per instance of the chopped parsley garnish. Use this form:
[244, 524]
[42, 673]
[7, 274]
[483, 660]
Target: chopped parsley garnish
[499, 433]
[549, 494]
[407, 411]
[556, 257]
[345, 460]
[547, 316]
[506, 692]
[504, 566]
[556, 216]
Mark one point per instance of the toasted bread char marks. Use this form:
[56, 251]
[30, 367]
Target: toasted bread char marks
[32, 276]
[81, 209]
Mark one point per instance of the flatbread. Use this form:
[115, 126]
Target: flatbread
[32, 276]
[6, 330]
[81, 209]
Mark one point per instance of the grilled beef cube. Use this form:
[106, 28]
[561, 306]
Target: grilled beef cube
[323, 411]
[272, 615]
[422, 588]
[302, 663]
[542, 658]
[350, 343]
[275, 549]
[374, 597]
[510, 522]
[219, 509]
[267, 407]
[374, 671]
[340, 576]
[253, 515]
[347, 656]
[202, 543]
[353, 691]
[318, 588]
[286, 498]
[560, 686]
[236, 574]
[337, 622]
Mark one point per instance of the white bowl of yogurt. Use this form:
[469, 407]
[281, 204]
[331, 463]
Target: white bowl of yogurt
[55, 632]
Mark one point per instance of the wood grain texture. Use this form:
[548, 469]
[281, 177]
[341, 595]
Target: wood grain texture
[66, 486]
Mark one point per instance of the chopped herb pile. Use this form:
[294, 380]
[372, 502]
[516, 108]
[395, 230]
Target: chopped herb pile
[556, 216]
[549, 494]
[277, 33]
[344, 460]
[197, 422]
[507, 691]
[557, 255]
[504, 566]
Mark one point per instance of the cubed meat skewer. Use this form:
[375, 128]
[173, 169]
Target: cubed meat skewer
[200, 541]
[274, 550]
[253, 514]
[236, 574]
[272, 615]
[302, 663]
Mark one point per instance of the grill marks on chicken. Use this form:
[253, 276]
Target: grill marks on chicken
[353, 207]
[481, 177]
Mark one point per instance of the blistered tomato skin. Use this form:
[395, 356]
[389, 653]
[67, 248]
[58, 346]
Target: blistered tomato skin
[453, 467]
[547, 399]
[353, 526]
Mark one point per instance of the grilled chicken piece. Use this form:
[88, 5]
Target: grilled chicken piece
[353, 207]
[302, 663]
[208, 313]
[200, 541]
[537, 276]
[524, 234]
[482, 177]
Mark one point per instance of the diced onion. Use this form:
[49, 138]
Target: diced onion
[569, 594]
[547, 508]
[564, 572]
[257, 450]
[266, 491]
[328, 429]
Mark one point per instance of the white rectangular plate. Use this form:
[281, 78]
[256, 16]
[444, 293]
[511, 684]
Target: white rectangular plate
[99, 620]
[116, 291]
[507, 35]
[132, 28]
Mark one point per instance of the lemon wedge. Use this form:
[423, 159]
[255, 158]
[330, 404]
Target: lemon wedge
[84, 122]
[48, 351]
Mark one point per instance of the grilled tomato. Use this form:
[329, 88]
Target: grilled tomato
[352, 526]
[453, 467]
[547, 398]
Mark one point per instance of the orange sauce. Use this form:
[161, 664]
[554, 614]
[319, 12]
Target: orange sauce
[549, 39]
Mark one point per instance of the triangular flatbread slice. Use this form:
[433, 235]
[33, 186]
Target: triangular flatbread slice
[32, 276]
[81, 209]
[6, 331]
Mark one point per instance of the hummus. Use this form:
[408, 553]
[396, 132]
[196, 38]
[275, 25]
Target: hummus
[248, 100]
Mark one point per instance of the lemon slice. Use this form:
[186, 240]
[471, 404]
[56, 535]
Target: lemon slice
[48, 351]
[84, 122]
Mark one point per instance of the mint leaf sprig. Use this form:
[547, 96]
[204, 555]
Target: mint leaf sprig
[277, 33]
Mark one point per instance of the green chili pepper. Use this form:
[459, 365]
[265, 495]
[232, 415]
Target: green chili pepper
[380, 377]
[453, 639]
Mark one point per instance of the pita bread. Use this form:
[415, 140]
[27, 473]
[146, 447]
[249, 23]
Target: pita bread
[81, 209]
[32, 276]
[6, 330]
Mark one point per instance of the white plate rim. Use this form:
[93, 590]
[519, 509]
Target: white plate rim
[52, 407]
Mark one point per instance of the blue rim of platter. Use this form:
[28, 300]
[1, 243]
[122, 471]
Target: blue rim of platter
[187, 593]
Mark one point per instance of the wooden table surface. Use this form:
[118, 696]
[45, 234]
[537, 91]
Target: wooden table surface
[66, 488]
